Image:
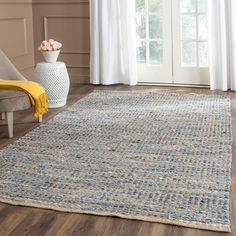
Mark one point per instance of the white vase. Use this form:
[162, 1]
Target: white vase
[51, 56]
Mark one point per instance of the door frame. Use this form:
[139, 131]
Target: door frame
[172, 72]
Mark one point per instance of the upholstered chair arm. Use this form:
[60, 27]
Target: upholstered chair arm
[8, 70]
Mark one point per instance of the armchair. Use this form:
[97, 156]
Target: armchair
[11, 100]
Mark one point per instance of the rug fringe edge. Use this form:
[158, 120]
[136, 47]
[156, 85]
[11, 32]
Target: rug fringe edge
[217, 228]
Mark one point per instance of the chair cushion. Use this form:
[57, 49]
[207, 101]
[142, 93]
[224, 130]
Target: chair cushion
[13, 100]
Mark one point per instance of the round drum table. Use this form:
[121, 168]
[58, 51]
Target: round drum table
[55, 79]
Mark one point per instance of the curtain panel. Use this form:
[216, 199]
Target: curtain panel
[113, 42]
[222, 44]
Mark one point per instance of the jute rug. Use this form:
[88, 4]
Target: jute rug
[147, 155]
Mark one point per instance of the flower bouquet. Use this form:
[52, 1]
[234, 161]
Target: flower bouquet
[50, 50]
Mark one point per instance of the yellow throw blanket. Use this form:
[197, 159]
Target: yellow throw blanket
[36, 93]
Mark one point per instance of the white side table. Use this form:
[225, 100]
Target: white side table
[55, 79]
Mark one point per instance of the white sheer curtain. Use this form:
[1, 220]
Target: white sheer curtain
[222, 44]
[113, 42]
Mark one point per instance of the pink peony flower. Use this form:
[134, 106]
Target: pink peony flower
[49, 48]
[50, 45]
[59, 45]
[44, 42]
[54, 46]
[51, 41]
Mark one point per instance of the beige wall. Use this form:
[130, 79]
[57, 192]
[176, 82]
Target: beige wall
[66, 21]
[16, 37]
[25, 23]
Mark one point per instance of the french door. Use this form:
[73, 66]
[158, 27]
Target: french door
[172, 45]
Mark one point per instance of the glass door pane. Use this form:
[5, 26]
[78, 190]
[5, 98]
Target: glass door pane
[190, 42]
[149, 21]
[172, 43]
[153, 24]
[194, 50]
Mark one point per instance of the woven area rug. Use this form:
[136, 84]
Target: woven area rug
[154, 156]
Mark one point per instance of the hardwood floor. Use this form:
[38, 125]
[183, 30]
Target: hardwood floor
[19, 221]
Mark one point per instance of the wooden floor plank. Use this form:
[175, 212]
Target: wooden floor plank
[146, 228]
[35, 223]
[58, 223]
[122, 227]
[11, 220]
[21, 221]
